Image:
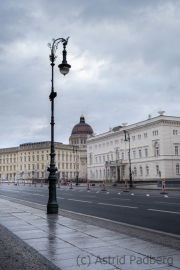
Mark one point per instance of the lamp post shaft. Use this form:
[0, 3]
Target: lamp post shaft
[52, 206]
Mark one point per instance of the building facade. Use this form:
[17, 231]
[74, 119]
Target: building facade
[154, 151]
[31, 160]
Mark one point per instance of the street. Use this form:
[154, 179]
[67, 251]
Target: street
[144, 208]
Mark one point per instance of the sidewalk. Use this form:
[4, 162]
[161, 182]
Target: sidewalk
[35, 240]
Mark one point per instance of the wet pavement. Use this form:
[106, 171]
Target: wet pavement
[73, 244]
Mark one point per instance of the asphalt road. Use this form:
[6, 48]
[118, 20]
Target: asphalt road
[144, 208]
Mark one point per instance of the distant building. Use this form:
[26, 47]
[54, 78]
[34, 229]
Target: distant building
[30, 160]
[154, 151]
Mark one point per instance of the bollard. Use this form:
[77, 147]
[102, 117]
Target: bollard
[126, 187]
[104, 187]
[163, 187]
[88, 188]
[71, 186]
[58, 184]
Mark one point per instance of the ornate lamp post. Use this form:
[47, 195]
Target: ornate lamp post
[75, 151]
[127, 139]
[52, 206]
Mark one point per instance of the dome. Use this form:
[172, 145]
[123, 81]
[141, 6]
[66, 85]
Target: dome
[82, 128]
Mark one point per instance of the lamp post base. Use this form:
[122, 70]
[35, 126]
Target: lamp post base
[52, 209]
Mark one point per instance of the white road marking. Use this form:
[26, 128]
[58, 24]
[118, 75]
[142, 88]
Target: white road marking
[166, 196]
[107, 192]
[118, 205]
[168, 203]
[147, 194]
[120, 199]
[89, 196]
[97, 192]
[132, 193]
[164, 211]
[37, 194]
[119, 193]
[79, 201]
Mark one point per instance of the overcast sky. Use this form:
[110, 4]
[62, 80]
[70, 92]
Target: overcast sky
[125, 58]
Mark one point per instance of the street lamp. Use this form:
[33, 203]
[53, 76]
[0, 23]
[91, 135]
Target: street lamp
[75, 151]
[52, 206]
[130, 173]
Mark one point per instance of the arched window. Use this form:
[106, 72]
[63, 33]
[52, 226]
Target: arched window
[147, 170]
[135, 171]
[177, 168]
[141, 170]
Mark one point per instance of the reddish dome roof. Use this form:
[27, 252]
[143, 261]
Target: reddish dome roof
[82, 128]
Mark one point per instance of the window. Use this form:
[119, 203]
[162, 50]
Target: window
[134, 154]
[140, 154]
[70, 165]
[147, 170]
[176, 150]
[66, 165]
[177, 168]
[33, 158]
[146, 152]
[122, 154]
[135, 171]
[157, 150]
[174, 132]
[155, 132]
[100, 173]
[157, 169]
[107, 157]
[133, 138]
[107, 144]
[141, 170]
[66, 157]
[96, 160]
[116, 141]
[139, 136]
[104, 173]
[37, 157]
[145, 135]
[47, 157]
[103, 158]
[29, 158]
[111, 157]
[123, 171]
[99, 159]
[103, 145]
[42, 157]
[96, 173]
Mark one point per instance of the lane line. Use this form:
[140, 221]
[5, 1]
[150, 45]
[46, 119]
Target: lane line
[89, 196]
[120, 199]
[118, 205]
[163, 211]
[168, 203]
[79, 201]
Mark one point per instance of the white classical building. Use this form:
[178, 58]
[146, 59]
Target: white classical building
[154, 151]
